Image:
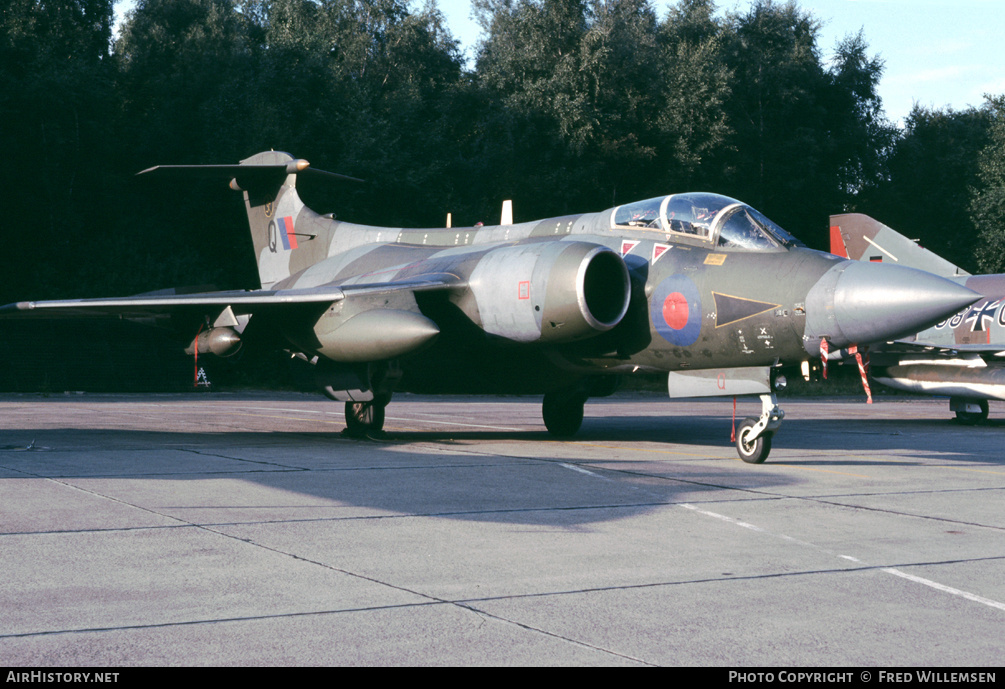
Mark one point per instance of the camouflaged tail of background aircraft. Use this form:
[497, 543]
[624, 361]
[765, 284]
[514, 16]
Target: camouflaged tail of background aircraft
[696, 286]
[961, 356]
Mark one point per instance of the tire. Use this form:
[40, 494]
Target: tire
[971, 418]
[563, 413]
[363, 418]
[756, 451]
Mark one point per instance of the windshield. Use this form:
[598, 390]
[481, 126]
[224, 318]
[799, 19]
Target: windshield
[739, 228]
[743, 227]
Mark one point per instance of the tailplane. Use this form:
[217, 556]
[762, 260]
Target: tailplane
[287, 235]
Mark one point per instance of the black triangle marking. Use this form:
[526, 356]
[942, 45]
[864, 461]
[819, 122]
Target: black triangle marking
[730, 309]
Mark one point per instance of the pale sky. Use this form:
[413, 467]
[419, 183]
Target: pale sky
[938, 53]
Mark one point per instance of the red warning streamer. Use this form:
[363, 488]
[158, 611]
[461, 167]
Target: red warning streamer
[863, 370]
[732, 429]
[195, 376]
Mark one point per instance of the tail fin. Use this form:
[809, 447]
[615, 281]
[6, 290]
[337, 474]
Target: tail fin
[861, 238]
[269, 182]
[287, 235]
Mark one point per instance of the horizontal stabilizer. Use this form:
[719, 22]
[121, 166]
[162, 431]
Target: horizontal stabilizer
[247, 175]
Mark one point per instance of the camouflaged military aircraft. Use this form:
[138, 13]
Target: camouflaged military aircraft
[962, 356]
[697, 286]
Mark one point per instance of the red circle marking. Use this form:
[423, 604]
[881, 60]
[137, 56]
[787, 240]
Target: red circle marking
[675, 311]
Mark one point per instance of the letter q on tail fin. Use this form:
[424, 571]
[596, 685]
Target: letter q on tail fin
[861, 238]
[282, 227]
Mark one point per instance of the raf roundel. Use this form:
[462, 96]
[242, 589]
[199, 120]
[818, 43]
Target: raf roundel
[676, 311]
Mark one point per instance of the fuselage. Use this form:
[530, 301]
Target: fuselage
[711, 284]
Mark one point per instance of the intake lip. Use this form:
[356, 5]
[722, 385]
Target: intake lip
[603, 288]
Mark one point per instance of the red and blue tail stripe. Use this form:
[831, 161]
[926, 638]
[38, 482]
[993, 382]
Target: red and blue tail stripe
[286, 232]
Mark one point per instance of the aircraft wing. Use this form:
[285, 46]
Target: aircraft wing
[240, 301]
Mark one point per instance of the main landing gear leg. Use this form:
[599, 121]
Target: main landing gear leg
[563, 412]
[364, 419]
[969, 411]
[753, 439]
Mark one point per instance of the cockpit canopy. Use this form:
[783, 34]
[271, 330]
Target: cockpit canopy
[717, 220]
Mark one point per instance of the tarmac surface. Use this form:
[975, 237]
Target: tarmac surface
[243, 529]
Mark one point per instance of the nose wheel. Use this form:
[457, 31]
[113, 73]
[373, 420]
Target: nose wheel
[364, 418]
[753, 438]
[752, 450]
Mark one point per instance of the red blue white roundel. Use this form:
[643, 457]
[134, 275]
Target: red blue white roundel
[675, 310]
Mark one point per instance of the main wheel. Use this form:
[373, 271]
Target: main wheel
[752, 451]
[969, 418]
[563, 413]
[363, 418]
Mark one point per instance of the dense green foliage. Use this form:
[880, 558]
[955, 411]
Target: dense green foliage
[570, 105]
[930, 175]
[987, 206]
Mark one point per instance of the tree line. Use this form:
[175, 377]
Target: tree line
[568, 106]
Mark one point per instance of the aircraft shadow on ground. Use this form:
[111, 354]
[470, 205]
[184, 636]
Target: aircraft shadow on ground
[463, 475]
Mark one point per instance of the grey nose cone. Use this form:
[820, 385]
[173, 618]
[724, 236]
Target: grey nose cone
[859, 303]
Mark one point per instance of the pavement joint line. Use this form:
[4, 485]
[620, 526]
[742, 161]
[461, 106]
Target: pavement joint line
[110, 498]
[196, 451]
[910, 515]
[431, 599]
[562, 637]
[469, 603]
[242, 411]
[862, 567]
[217, 620]
[307, 520]
[765, 494]
[829, 500]
[311, 613]
[455, 423]
[888, 570]
[730, 494]
[826, 471]
[443, 514]
[246, 542]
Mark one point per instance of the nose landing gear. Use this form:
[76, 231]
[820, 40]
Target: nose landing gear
[753, 439]
[364, 419]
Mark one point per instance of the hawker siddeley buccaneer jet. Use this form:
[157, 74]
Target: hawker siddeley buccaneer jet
[697, 286]
[962, 357]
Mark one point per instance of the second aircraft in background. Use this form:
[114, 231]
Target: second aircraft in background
[962, 356]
